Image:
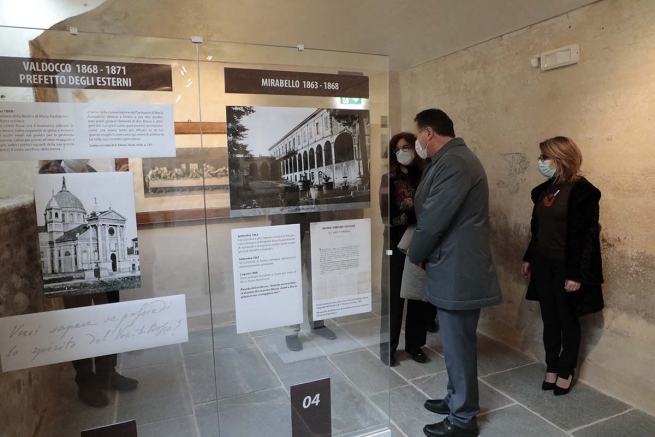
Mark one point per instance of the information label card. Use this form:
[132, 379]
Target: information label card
[53, 337]
[267, 277]
[341, 268]
[33, 131]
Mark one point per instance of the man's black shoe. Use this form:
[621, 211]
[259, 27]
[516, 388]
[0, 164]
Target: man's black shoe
[437, 406]
[93, 396]
[417, 355]
[117, 382]
[447, 429]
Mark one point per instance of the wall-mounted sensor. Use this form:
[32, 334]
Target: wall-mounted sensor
[562, 57]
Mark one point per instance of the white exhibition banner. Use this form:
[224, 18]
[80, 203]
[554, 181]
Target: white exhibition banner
[267, 277]
[51, 337]
[37, 131]
[341, 268]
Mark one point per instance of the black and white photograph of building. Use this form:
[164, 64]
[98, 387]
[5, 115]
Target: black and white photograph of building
[87, 232]
[293, 160]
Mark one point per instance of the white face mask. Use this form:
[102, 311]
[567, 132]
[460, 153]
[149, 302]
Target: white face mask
[405, 157]
[423, 153]
[77, 165]
[545, 169]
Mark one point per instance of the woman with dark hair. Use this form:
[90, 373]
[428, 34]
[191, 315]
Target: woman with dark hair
[405, 169]
[563, 260]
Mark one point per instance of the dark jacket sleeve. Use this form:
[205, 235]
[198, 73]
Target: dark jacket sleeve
[533, 240]
[536, 196]
[399, 215]
[448, 191]
[394, 210]
[410, 209]
[407, 209]
[384, 198]
[583, 241]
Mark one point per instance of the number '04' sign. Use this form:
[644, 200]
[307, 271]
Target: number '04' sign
[311, 410]
[308, 401]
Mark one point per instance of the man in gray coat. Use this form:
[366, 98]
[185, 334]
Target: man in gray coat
[451, 242]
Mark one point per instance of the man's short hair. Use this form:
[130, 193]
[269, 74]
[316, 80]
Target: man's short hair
[437, 120]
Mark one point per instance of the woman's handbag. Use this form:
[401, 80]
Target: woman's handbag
[413, 276]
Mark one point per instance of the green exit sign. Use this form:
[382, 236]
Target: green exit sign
[351, 101]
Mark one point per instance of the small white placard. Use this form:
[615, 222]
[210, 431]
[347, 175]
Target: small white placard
[267, 277]
[53, 337]
[37, 131]
[341, 268]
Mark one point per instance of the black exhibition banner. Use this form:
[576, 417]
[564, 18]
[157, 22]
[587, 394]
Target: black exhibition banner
[295, 83]
[82, 74]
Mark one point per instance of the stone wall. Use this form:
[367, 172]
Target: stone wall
[26, 394]
[504, 108]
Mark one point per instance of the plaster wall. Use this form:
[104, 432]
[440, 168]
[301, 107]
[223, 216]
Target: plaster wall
[503, 108]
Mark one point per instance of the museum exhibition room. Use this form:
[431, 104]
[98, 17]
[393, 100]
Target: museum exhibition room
[348, 218]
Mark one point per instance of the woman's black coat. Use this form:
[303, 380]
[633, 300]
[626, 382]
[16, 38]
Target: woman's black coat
[583, 256]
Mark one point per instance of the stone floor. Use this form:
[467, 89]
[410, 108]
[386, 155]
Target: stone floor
[180, 395]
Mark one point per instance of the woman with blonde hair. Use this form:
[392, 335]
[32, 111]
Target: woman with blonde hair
[563, 260]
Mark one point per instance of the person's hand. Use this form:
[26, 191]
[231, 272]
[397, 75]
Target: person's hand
[408, 203]
[526, 270]
[571, 286]
[420, 266]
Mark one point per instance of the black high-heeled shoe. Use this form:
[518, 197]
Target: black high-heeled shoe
[547, 386]
[559, 391]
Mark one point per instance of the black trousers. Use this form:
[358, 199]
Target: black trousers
[419, 313]
[562, 331]
[105, 365]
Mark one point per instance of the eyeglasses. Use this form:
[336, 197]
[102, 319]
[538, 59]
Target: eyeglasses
[405, 147]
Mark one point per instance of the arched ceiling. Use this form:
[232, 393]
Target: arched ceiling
[410, 32]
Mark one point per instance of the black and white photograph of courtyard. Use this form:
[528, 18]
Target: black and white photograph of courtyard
[294, 160]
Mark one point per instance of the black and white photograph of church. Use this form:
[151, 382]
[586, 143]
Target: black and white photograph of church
[87, 232]
[287, 160]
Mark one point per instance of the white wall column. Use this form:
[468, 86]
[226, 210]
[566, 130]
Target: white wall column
[100, 245]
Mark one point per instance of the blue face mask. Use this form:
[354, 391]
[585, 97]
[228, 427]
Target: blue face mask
[545, 169]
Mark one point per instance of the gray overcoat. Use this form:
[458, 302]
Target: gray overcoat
[452, 233]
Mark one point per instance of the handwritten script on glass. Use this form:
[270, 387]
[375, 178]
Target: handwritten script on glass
[53, 337]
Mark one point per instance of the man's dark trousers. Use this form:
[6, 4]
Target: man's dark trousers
[459, 341]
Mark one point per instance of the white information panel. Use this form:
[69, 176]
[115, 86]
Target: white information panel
[38, 131]
[53, 337]
[267, 277]
[341, 268]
